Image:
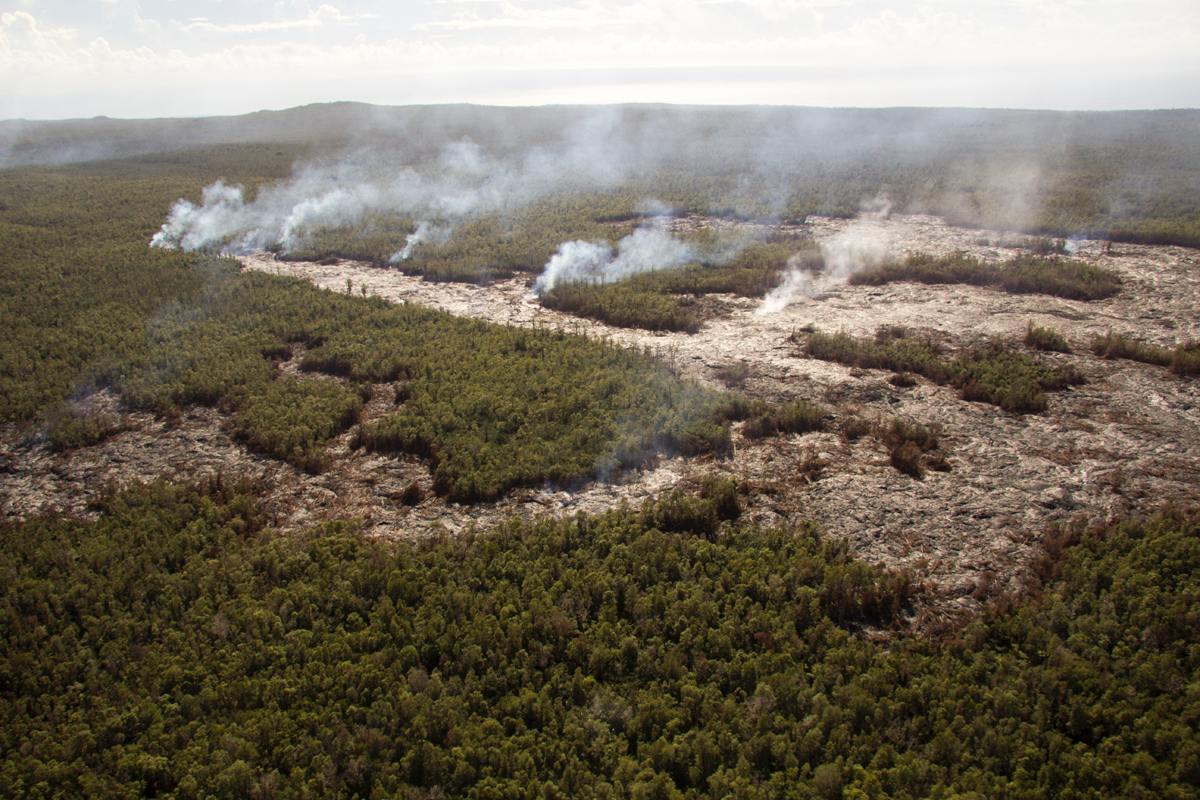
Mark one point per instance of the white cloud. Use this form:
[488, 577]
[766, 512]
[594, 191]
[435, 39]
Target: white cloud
[323, 16]
[587, 16]
[20, 31]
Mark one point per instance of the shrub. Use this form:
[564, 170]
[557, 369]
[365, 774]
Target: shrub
[1046, 339]
[292, 419]
[899, 432]
[811, 465]
[1072, 280]
[680, 513]
[908, 442]
[1183, 360]
[71, 428]
[799, 416]
[907, 354]
[628, 304]
[734, 375]
[906, 457]
[723, 494]
[995, 375]
[1043, 246]
[753, 272]
[855, 427]
[413, 494]
[1112, 346]
[1186, 359]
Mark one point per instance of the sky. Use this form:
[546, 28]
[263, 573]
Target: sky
[186, 58]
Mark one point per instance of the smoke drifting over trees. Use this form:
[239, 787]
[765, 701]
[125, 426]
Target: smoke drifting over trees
[644, 250]
[1045, 172]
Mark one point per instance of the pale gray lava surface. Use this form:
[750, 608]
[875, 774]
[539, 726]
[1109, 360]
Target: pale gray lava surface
[1124, 443]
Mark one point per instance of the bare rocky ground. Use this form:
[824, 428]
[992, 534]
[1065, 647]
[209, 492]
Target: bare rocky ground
[1122, 444]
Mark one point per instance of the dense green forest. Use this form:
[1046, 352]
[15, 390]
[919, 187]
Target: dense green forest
[78, 283]
[177, 647]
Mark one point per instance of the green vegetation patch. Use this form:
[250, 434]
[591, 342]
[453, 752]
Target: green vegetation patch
[491, 407]
[292, 418]
[1011, 380]
[662, 300]
[375, 239]
[75, 426]
[1184, 359]
[1046, 339]
[1026, 274]
[752, 272]
[177, 647]
[798, 416]
[494, 408]
[990, 373]
[913, 447]
[479, 249]
[79, 286]
[634, 303]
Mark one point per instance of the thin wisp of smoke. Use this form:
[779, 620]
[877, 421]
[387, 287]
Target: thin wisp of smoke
[426, 232]
[862, 245]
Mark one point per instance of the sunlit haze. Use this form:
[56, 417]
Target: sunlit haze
[154, 58]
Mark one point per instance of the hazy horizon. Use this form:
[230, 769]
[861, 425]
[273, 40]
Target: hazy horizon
[199, 58]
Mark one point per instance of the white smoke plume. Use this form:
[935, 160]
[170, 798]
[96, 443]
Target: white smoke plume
[425, 232]
[462, 182]
[800, 281]
[318, 196]
[466, 182]
[645, 250]
[862, 245]
[575, 261]
[222, 210]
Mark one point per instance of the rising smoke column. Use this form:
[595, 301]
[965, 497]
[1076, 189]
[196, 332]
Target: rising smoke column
[222, 212]
[425, 232]
[285, 214]
[597, 149]
[863, 244]
[644, 250]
